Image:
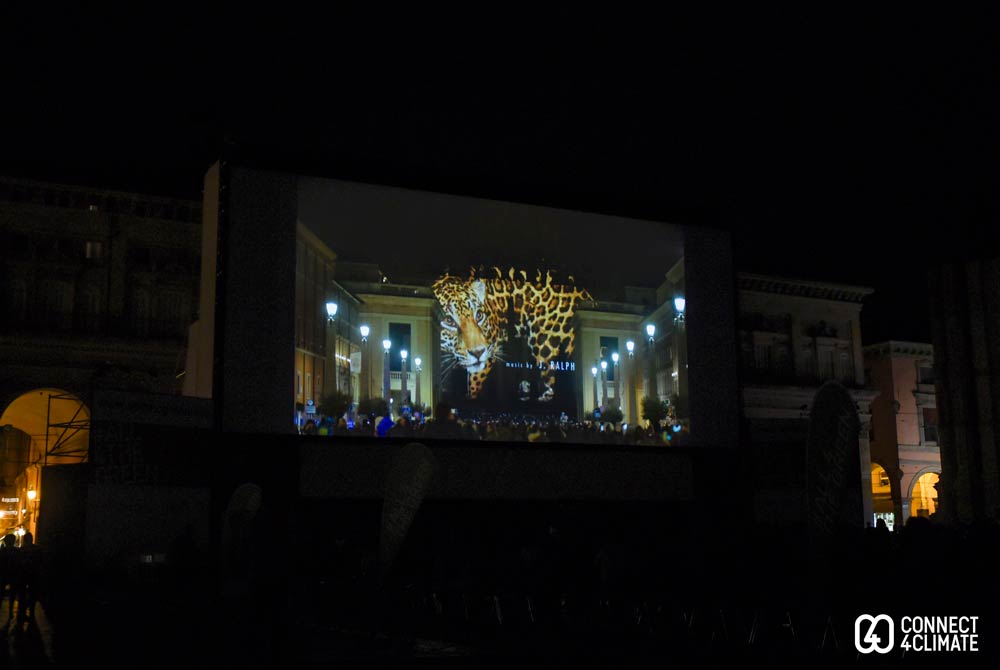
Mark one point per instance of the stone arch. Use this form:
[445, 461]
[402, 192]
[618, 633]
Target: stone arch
[929, 470]
[56, 420]
[884, 496]
[920, 473]
[44, 426]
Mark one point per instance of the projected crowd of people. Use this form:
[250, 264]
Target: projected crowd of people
[499, 427]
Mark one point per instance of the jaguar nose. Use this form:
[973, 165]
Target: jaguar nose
[478, 353]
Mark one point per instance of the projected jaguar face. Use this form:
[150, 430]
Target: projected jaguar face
[475, 319]
[471, 328]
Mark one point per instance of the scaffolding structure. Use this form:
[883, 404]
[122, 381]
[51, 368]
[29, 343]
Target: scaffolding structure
[62, 445]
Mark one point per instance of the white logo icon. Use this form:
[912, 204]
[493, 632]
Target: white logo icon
[873, 641]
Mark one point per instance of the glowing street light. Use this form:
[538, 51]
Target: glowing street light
[366, 364]
[403, 353]
[679, 304]
[331, 311]
[387, 345]
[630, 382]
[651, 387]
[604, 383]
[32, 494]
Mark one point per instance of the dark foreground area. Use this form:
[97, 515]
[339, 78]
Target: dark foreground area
[519, 583]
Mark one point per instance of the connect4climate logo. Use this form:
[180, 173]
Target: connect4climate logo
[866, 639]
[919, 633]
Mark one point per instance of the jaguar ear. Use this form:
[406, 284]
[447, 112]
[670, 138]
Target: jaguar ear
[479, 288]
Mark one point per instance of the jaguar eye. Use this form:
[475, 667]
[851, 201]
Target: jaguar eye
[450, 322]
[480, 315]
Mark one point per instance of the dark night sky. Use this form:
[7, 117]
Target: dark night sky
[851, 148]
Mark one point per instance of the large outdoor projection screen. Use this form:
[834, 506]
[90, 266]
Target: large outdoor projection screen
[507, 313]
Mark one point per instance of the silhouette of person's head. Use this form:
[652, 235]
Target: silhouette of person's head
[442, 412]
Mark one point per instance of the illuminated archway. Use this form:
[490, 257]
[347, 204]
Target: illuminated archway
[42, 427]
[882, 504]
[923, 494]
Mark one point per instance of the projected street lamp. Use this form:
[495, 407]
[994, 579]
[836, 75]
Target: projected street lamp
[331, 316]
[366, 364]
[387, 345]
[403, 402]
[630, 383]
[593, 373]
[680, 357]
[416, 363]
[604, 383]
[651, 353]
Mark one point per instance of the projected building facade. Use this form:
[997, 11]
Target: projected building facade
[490, 308]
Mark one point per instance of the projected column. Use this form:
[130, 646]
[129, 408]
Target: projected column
[416, 363]
[630, 383]
[651, 389]
[604, 383]
[403, 400]
[366, 364]
[387, 345]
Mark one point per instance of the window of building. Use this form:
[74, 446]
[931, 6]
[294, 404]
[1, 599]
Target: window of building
[298, 383]
[93, 250]
[929, 416]
[609, 346]
[769, 355]
[399, 334]
[844, 372]
[309, 393]
[925, 374]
